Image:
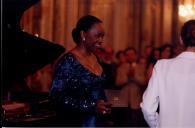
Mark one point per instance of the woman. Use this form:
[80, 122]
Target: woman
[166, 51]
[77, 85]
[152, 59]
[172, 87]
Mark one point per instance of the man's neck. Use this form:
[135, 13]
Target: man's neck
[190, 49]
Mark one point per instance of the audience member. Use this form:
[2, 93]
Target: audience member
[155, 55]
[166, 51]
[140, 71]
[131, 56]
[120, 56]
[136, 85]
[106, 56]
[148, 50]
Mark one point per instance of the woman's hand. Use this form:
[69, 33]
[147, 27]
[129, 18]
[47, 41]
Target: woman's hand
[103, 107]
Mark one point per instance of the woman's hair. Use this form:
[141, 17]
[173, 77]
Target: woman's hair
[188, 33]
[151, 58]
[164, 46]
[84, 24]
[119, 53]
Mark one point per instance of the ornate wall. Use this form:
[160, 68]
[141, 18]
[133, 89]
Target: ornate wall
[128, 22]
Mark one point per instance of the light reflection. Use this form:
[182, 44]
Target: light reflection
[187, 11]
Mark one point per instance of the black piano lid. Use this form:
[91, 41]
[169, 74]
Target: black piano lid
[14, 9]
[23, 53]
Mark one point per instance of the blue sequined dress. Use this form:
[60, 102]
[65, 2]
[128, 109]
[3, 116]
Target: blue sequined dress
[74, 92]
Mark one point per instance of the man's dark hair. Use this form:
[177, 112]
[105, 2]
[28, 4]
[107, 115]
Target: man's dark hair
[188, 33]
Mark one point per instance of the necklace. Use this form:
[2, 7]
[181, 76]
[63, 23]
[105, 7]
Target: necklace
[89, 62]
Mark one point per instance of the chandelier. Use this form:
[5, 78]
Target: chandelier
[187, 10]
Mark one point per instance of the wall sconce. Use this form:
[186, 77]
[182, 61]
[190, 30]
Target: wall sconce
[187, 10]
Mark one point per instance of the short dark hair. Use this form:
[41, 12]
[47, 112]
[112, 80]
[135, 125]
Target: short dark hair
[188, 33]
[130, 48]
[164, 46]
[119, 53]
[84, 24]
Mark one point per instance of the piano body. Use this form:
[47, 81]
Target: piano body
[22, 53]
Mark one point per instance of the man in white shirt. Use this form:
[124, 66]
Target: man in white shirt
[172, 87]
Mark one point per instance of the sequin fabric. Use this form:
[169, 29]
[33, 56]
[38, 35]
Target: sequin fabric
[76, 87]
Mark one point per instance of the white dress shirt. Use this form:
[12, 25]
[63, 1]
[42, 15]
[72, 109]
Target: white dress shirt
[172, 87]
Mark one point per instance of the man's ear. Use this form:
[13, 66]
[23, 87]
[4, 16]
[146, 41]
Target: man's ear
[181, 41]
[82, 34]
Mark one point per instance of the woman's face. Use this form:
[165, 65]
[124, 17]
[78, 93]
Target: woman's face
[166, 53]
[131, 55]
[94, 37]
[156, 54]
[122, 58]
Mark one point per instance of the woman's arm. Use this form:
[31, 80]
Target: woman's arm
[63, 89]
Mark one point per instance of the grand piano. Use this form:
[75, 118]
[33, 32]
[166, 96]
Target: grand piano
[22, 53]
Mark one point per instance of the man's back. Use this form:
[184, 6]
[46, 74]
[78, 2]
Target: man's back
[173, 84]
[176, 90]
